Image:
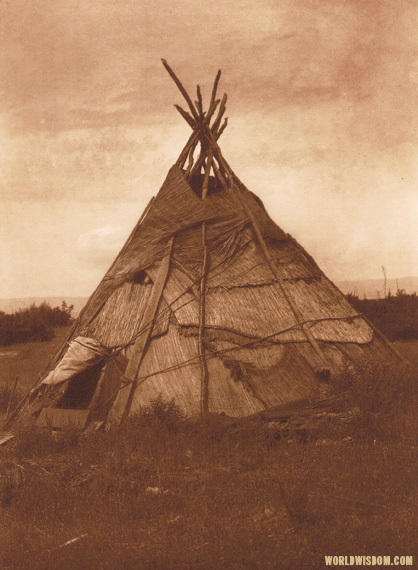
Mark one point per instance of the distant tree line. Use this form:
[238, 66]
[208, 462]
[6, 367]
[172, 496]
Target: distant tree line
[35, 323]
[396, 316]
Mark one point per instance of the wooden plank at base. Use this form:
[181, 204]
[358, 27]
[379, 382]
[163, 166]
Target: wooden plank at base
[60, 418]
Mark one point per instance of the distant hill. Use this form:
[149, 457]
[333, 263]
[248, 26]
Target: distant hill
[371, 288]
[13, 305]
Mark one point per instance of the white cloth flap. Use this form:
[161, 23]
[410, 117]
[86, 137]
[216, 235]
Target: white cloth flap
[82, 353]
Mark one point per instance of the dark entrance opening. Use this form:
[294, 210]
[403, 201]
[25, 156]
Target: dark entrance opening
[80, 390]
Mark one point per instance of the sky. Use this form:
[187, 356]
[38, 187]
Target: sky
[322, 99]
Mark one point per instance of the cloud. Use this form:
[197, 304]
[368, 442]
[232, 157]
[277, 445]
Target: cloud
[65, 64]
[91, 165]
[322, 100]
[100, 245]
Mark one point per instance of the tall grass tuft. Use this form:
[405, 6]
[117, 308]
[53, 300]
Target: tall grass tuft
[6, 392]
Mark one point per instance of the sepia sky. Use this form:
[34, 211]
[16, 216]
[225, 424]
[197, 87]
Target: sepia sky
[322, 126]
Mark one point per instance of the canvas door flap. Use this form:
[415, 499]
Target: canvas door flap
[83, 353]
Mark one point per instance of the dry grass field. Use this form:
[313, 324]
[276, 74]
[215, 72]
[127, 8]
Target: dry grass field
[164, 493]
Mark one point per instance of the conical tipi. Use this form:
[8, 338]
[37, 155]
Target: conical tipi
[209, 303]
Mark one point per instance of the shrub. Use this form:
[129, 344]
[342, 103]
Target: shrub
[396, 316]
[35, 323]
[387, 398]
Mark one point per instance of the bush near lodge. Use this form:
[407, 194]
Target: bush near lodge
[396, 316]
[36, 323]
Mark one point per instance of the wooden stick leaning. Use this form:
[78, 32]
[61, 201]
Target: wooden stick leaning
[223, 127]
[124, 399]
[204, 386]
[204, 382]
[200, 126]
[298, 317]
[204, 377]
[199, 102]
[221, 112]
[191, 160]
[215, 88]
[181, 89]
[186, 116]
[9, 405]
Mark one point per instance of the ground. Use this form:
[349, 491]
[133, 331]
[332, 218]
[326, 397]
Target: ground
[163, 493]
